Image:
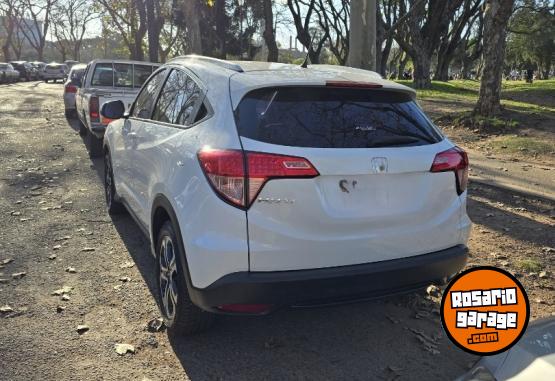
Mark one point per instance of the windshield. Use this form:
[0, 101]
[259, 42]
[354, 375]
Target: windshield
[326, 117]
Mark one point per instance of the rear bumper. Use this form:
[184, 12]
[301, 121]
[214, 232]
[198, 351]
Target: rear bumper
[98, 129]
[332, 285]
[53, 76]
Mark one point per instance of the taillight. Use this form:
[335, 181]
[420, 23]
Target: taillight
[70, 89]
[239, 177]
[94, 109]
[456, 160]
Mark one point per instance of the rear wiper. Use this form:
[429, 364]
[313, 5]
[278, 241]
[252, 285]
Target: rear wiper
[392, 141]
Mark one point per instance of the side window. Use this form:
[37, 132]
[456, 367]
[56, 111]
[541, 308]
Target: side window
[103, 75]
[146, 98]
[178, 100]
[141, 74]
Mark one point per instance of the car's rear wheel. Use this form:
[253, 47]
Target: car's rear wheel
[181, 316]
[113, 206]
[94, 145]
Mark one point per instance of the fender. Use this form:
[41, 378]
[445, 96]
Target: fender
[160, 201]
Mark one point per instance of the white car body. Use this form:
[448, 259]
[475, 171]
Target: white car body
[54, 72]
[297, 229]
[7, 73]
[71, 85]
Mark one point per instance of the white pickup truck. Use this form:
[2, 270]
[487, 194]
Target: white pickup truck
[104, 81]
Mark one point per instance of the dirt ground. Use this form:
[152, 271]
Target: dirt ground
[56, 232]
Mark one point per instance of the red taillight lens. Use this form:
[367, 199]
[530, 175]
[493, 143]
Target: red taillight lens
[70, 89]
[246, 308]
[94, 108]
[264, 166]
[456, 160]
[226, 171]
[239, 176]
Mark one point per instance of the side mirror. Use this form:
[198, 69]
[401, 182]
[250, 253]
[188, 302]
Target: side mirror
[113, 110]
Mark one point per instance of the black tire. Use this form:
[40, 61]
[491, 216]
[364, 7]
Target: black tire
[94, 145]
[46, 81]
[69, 113]
[82, 128]
[112, 205]
[181, 316]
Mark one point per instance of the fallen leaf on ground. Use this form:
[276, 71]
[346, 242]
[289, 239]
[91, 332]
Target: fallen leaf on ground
[127, 265]
[63, 290]
[156, 325]
[5, 309]
[122, 349]
[19, 275]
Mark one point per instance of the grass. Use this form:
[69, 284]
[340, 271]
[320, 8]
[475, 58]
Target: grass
[530, 265]
[519, 144]
[517, 95]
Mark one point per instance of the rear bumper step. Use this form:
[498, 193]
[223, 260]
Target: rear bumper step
[332, 285]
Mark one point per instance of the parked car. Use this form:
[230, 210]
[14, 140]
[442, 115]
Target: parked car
[107, 80]
[70, 63]
[70, 88]
[264, 185]
[40, 68]
[7, 73]
[54, 72]
[25, 69]
[531, 358]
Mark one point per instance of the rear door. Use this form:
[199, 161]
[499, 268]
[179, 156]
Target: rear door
[374, 199]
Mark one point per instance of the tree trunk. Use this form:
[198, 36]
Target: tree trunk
[362, 35]
[402, 65]
[496, 18]
[421, 74]
[269, 35]
[194, 42]
[155, 25]
[9, 28]
[443, 62]
[384, 56]
[442, 69]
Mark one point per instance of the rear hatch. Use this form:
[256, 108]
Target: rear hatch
[371, 195]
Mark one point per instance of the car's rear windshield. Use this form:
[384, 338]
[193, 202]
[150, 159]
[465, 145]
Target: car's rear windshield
[328, 117]
[124, 75]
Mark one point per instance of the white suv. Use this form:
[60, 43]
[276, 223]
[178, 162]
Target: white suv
[264, 185]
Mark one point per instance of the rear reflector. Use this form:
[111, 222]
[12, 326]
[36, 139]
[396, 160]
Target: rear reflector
[70, 89]
[246, 308]
[456, 160]
[354, 84]
[94, 108]
[239, 177]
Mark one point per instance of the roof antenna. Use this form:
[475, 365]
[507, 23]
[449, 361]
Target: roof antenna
[304, 65]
